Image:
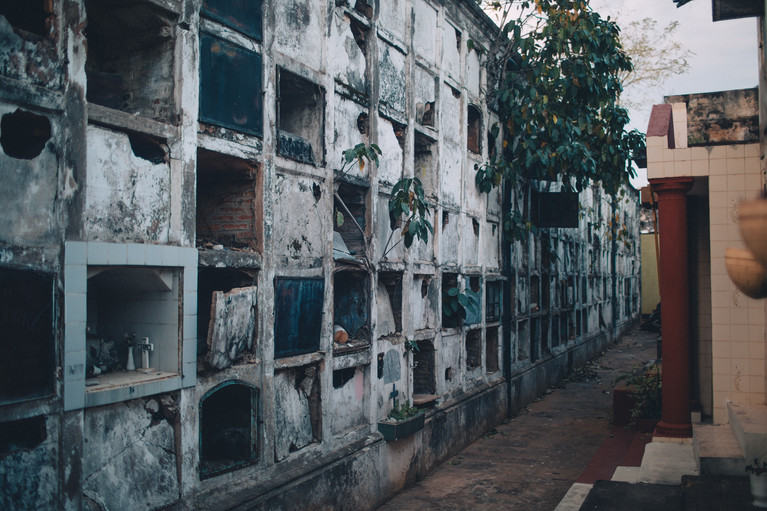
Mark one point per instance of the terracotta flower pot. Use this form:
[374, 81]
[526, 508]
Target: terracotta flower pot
[752, 216]
[746, 273]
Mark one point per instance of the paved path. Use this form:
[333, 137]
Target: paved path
[530, 461]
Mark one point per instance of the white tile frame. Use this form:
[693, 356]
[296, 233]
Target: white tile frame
[78, 255]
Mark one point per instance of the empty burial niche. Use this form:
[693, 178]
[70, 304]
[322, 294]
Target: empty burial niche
[555, 336]
[297, 315]
[349, 217]
[474, 130]
[523, 340]
[230, 85]
[389, 300]
[425, 163]
[474, 294]
[28, 340]
[545, 292]
[343, 376]
[301, 118]
[585, 321]
[228, 428]
[424, 377]
[22, 435]
[209, 281]
[129, 64]
[493, 290]
[473, 349]
[564, 328]
[35, 17]
[23, 135]
[535, 339]
[351, 308]
[146, 147]
[228, 202]
[451, 316]
[535, 293]
[132, 311]
[491, 350]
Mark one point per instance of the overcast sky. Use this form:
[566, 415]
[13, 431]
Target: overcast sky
[726, 52]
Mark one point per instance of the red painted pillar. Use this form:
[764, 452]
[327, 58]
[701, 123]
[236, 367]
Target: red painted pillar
[675, 309]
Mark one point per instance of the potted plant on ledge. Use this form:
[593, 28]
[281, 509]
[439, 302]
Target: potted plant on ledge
[758, 475]
[403, 420]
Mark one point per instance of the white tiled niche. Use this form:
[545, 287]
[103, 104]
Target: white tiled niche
[113, 289]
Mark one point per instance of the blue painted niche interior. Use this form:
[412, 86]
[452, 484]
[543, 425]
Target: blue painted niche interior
[297, 315]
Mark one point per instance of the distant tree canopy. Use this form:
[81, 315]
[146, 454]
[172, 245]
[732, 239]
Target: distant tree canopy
[555, 78]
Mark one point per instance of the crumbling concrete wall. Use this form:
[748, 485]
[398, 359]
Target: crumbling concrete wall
[129, 455]
[141, 171]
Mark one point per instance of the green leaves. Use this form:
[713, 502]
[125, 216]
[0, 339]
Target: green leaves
[408, 199]
[558, 100]
[360, 153]
[455, 303]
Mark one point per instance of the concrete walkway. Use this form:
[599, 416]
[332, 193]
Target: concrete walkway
[533, 460]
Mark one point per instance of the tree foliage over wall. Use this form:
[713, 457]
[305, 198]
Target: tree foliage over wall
[555, 79]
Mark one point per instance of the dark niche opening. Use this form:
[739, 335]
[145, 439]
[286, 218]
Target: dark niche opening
[491, 350]
[390, 311]
[33, 16]
[22, 435]
[228, 428]
[351, 305]
[228, 202]
[27, 340]
[474, 130]
[230, 86]
[493, 292]
[23, 135]
[129, 65]
[424, 377]
[473, 349]
[297, 315]
[301, 118]
[343, 376]
[349, 217]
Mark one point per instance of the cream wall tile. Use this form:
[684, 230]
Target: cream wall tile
[756, 366]
[718, 152]
[735, 150]
[699, 153]
[739, 316]
[736, 182]
[657, 141]
[756, 355]
[683, 167]
[754, 183]
[755, 316]
[682, 154]
[739, 350]
[717, 166]
[654, 171]
[733, 233]
[751, 150]
[718, 199]
[668, 154]
[654, 154]
[668, 168]
[699, 167]
[720, 282]
[736, 165]
[718, 248]
[756, 333]
[751, 165]
[718, 214]
[717, 183]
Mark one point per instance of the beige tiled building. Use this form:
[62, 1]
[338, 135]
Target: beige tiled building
[719, 158]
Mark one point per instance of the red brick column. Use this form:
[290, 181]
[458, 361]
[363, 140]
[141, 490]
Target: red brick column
[675, 310]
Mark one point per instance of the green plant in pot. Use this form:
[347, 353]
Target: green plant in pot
[402, 421]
